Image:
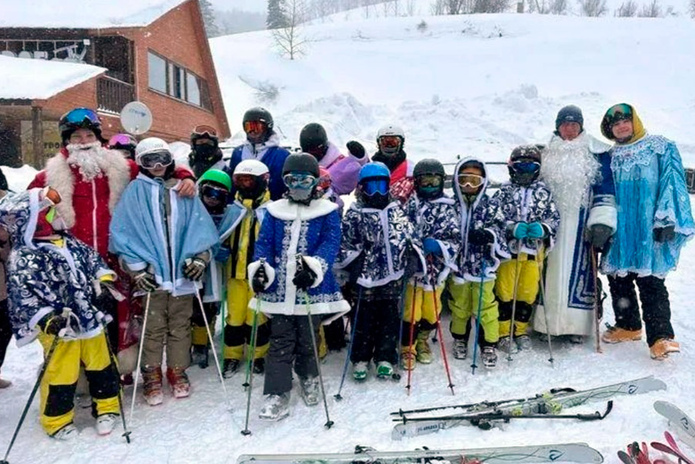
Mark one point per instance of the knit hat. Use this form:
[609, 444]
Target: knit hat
[569, 113]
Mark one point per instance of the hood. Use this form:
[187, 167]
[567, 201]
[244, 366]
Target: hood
[332, 155]
[19, 213]
[457, 190]
[637, 126]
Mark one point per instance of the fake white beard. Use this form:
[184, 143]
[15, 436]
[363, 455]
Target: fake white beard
[569, 169]
[89, 158]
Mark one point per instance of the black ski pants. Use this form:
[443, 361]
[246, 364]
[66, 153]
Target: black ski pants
[656, 309]
[5, 330]
[376, 331]
[291, 344]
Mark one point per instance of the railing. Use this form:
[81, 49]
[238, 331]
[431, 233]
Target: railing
[113, 95]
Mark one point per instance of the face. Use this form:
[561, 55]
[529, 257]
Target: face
[467, 177]
[569, 130]
[158, 171]
[255, 130]
[83, 137]
[622, 129]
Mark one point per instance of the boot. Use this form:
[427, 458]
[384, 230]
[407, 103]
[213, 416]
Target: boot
[199, 356]
[178, 380]
[408, 358]
[309, 389]
[230, 367]
[258, 365]
[615, 334]
[505, 344]
[152, 379]
[67, 433]
[489, 357]
[422, 347]
[275, 407]
[360, 371]
[4, 383]
[661, 348]
[460, 349]
[523, 342]
[106, 423]
[384, 370]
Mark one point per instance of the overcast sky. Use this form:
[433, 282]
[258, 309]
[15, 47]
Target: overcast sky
[245, 5]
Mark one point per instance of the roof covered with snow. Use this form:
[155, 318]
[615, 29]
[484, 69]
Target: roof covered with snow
[79, 14]
[41, 79]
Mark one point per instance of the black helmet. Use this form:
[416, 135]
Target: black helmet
[79, 118]
[524, 164]
[313, 139]
[301, 162]
[259, 114]
[429, 167]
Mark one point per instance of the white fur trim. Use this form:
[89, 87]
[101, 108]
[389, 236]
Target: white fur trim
[315, 265]
[269, 272]
[605, 214]
[289, 211]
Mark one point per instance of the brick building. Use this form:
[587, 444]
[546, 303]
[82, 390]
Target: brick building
[103, 54]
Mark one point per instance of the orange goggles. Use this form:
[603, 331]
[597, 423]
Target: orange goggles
[254, 126]
[390, 141]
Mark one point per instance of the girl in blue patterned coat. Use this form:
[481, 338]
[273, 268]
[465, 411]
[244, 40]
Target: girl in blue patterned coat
[293, 280]
[378, 238]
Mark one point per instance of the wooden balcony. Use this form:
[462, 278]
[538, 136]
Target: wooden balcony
[113, 95]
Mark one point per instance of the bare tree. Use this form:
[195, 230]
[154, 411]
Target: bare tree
[692, 8]
[289, 40]
[558, 7]
[593, 8]
[439, 7]
[410, 7]
[626, 10]
[490, 6]
[652, 10]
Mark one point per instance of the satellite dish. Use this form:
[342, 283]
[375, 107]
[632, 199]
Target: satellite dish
[136, 118]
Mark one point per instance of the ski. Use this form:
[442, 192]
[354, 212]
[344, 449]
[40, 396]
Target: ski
[672, 448]
[549, 403]
[683, 424]
[563, 452]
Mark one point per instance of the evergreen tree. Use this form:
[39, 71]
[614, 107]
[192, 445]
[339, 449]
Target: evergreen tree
[211, 29]
[277, 18]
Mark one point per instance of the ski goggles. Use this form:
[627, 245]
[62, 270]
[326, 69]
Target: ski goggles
[79, 115]
[430, 180]
[254, 126]
[158, 158]
[375, 186]
[122, 140]
[215, 193]
[526, 167]
[205, 130]
[300, 181]
[389, 141]
[470, 180]
[619, 112]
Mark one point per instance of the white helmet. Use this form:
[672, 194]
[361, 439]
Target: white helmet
[251, 167]
[151, 145]
[390, 130]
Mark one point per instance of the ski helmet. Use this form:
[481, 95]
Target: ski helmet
[153, 151]
[373, 185]
[387, 132]
[79, 118]
[525, 164]
[259, 114]
[300, 174]
[124, 142]
[258, 171]
[214, 186]
[314, 140]
[216, 176]
[429, 177]
[204, 132]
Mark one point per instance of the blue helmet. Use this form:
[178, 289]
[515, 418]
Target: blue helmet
[372, 170]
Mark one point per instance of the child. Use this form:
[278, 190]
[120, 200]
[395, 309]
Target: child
[434, 216]
[482, 243]
[375, 247]
[531, 221]
[54, 283]
[293, 280]
[251, 179]
[165, 242]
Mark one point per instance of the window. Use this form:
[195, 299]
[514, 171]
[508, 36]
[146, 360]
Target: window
[157, 72]
[193, 89]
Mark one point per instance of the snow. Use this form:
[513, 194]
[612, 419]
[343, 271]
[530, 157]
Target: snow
[19, 178]
[41, 79]
[470, 85]
[95, 14]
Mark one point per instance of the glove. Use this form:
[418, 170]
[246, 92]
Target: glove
[145, 281]
[105, 301]
[518, 230]
[304, 278]
[536, 231]
[432, 247]
[598, 235]
[412, 263]
[259, 280]
[356, 149]
[194, 268]
[52, 324]
[480, 237]
[664, 234]
[223, 254]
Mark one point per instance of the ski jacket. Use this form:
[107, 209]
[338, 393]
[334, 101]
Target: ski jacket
[375, 243]
[270, 154]
[290, 229]
[344, 169]
[436, 219]
[154, 227]
[45, 278]
[481, 214]
[529, 204]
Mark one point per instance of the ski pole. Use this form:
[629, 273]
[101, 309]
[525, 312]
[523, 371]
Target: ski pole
[142, 344]
[214, 351]
[329, 422]
[541, 283]
[412, 336]
[396, 375]
[433, 276]
[517, 272]
[337, 396]
[249, 370]
[477, 317]
[47, 361]
[597, 301]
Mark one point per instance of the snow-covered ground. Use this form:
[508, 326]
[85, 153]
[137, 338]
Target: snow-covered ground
[467, 85]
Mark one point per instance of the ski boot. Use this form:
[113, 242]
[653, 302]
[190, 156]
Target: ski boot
[384, 370]
[505, 344]
[275, 407]
[152, 379]
[460, 349]
[422, 348]
[230, 367]
[360, 371]
[258, 365]
[523, 342]
[67, 433]
[489, 357]
[310, 390]
[661, 348]
[199, 356]
[618, 335]
[106, 423]
[408, 358]
[178, 380]
[5, 384]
